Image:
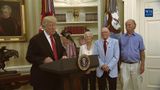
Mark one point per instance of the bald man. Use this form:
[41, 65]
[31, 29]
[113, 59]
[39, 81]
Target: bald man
[108, 51]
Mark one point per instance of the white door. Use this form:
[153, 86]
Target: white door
[151, 34]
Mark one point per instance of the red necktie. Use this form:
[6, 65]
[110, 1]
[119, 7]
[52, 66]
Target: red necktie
[54, 48]
[105, 46]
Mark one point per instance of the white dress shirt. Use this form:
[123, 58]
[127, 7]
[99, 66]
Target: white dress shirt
[84, 50]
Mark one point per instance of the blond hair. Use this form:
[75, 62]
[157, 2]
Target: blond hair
[48, 19]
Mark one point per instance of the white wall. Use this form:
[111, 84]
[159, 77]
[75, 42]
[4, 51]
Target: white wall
[132, 11]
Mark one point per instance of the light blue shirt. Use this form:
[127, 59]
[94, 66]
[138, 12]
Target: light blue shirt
[111, 58]
[130, 47]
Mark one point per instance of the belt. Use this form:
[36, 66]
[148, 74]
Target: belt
[129, 62]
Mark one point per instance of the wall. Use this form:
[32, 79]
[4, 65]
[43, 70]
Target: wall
[132, 11]
[32, 15]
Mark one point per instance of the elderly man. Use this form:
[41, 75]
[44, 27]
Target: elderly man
[107, 50]
[8, 24]
[45, 47]
[132, 57]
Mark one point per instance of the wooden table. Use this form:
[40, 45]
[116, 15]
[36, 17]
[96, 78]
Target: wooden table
[13, 81]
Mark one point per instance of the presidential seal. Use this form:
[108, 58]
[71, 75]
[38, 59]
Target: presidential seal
[83, 62]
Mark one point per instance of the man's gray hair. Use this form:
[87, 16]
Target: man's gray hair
[132, 21]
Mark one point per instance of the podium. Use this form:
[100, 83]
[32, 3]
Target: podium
[70, 70]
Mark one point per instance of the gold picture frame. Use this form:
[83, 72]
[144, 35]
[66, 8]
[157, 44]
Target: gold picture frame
[12, 21]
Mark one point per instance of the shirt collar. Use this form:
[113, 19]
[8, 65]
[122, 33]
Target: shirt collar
[108, 39]
[133, 34]
[46, 34]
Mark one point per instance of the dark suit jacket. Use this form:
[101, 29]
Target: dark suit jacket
[38, 50]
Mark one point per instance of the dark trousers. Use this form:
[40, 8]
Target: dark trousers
[91, 77]
[52, 84]
[102, 84]
[54, 87]
[47, 88]
[41, 88]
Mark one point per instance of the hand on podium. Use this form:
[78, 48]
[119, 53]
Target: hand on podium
[64, 57]
[48, 60]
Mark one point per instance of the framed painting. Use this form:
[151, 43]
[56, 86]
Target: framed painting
[12, 21]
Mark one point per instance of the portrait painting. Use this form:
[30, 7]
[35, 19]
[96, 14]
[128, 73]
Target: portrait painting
[12, 21]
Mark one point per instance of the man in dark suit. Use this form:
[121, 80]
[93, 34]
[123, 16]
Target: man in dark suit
[42, 50]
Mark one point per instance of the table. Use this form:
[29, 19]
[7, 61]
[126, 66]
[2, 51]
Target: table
[13, 81]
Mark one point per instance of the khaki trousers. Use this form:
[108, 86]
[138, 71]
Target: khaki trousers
[131, 78]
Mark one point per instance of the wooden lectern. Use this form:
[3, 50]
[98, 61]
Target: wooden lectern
[69, 70]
